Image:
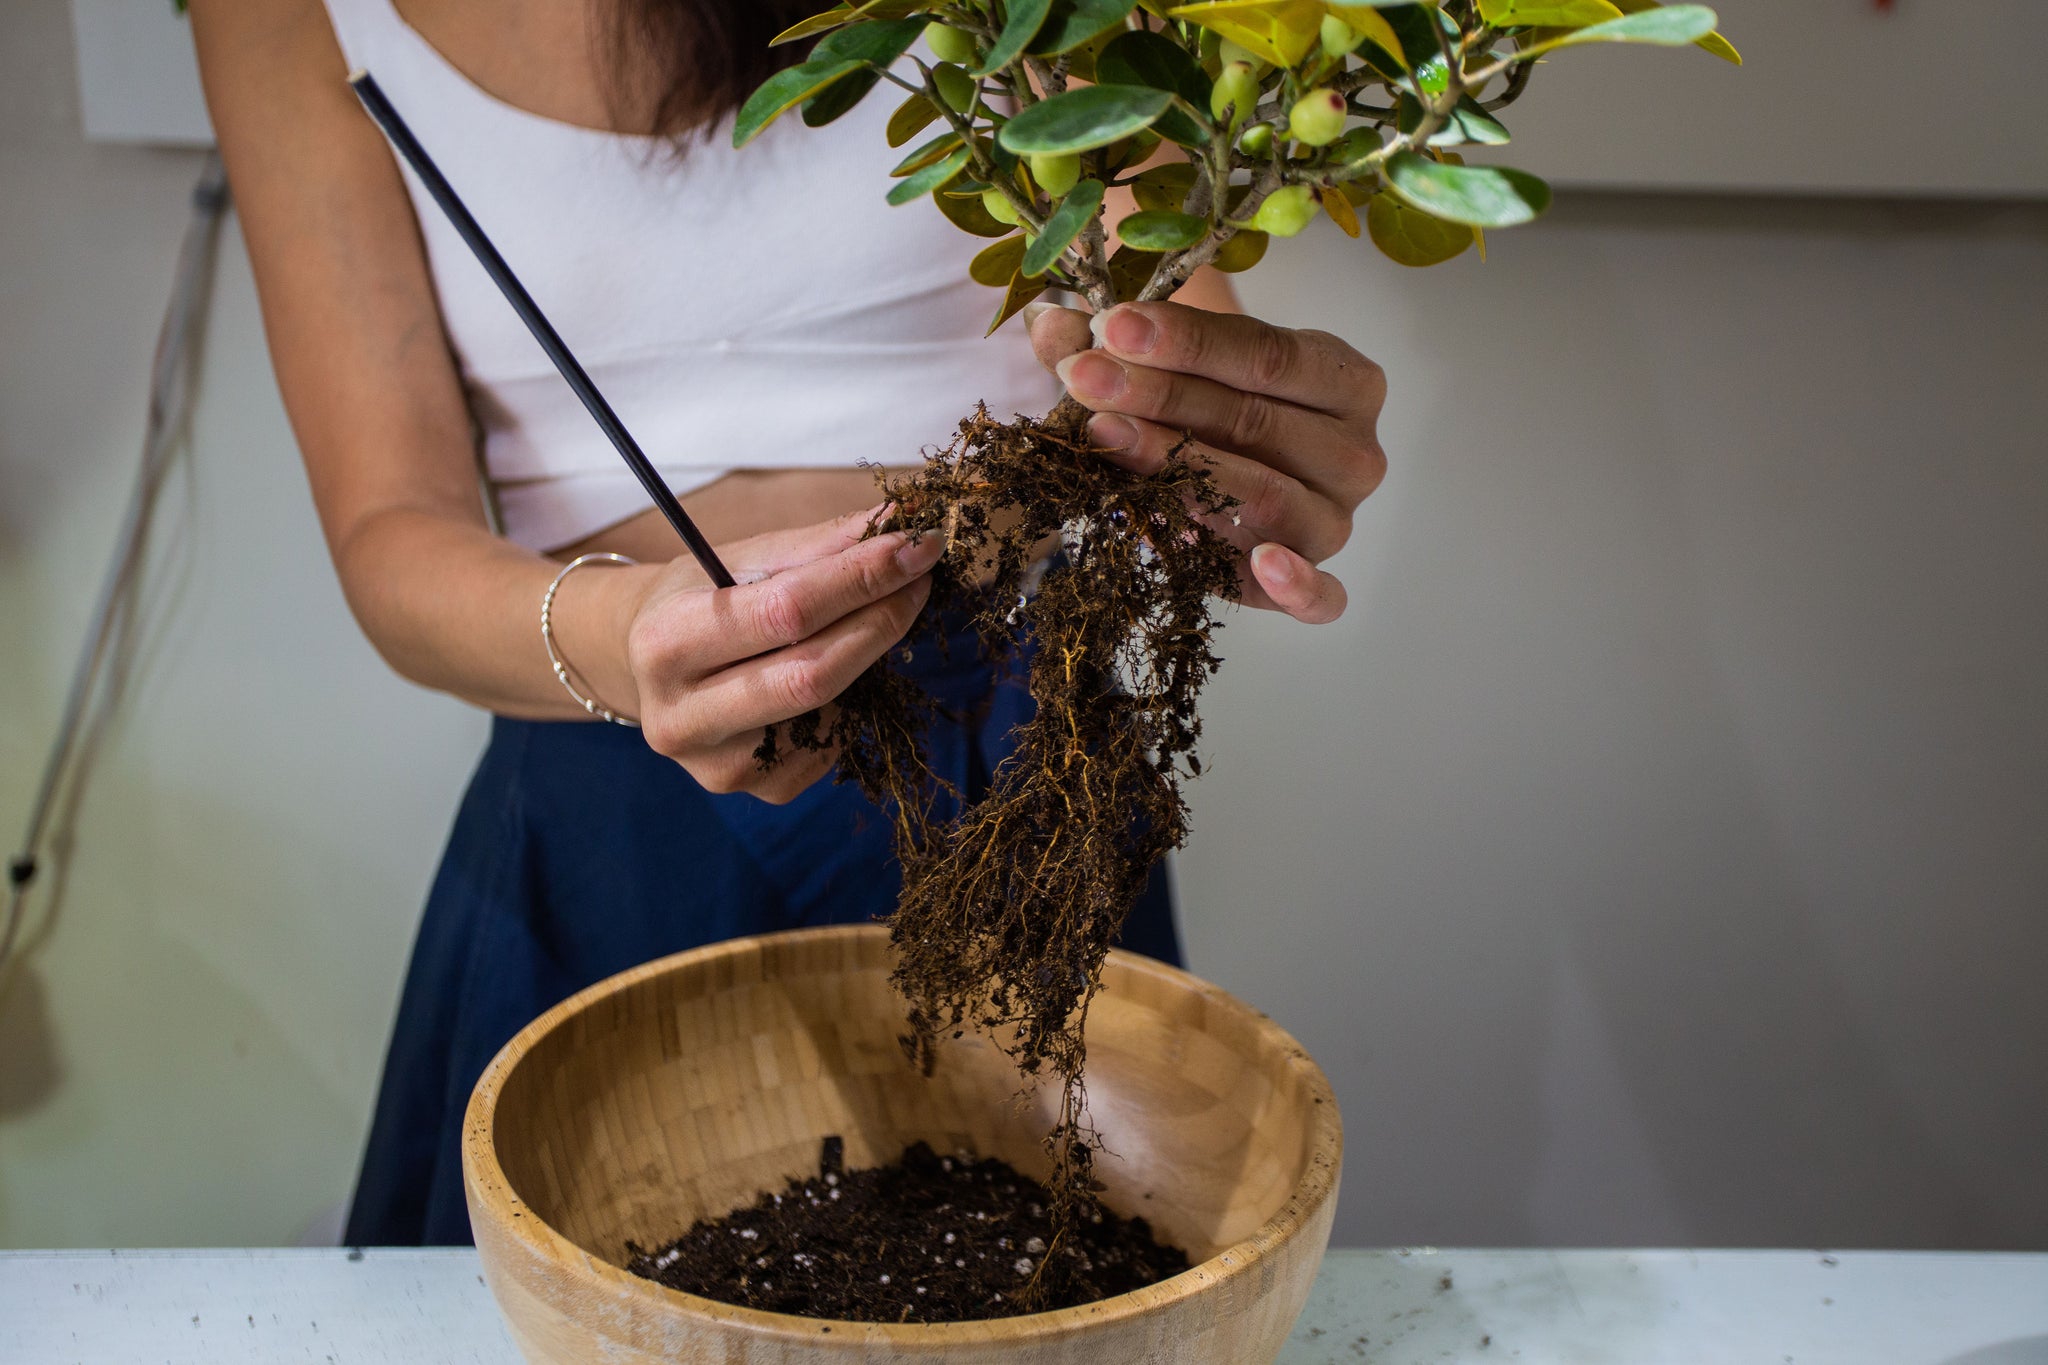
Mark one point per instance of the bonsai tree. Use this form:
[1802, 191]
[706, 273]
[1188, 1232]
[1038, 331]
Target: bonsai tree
[1231, 122]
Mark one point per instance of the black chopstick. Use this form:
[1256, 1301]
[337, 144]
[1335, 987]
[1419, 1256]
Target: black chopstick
[408, 146]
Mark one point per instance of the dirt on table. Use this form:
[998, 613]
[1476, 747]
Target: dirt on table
[927, 1238]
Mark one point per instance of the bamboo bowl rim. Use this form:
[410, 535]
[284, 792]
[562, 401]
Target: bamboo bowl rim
[490, 1188]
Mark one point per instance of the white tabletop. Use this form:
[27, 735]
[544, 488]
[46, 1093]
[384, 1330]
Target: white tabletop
[382, 1307]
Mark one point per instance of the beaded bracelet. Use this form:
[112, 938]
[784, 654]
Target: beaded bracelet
[566, 675]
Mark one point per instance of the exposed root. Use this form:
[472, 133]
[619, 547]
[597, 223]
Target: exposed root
[1007, 911]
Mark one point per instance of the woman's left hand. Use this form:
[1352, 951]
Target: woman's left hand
[1288, 420]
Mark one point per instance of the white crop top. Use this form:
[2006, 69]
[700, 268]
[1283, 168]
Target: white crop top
[753, 309]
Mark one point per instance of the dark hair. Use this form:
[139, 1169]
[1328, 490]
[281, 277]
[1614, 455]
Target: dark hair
[699, 59]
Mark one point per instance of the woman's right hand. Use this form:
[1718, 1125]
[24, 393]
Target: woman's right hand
[814, 607]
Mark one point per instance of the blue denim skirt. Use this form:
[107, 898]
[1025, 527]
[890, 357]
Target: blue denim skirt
[579, 852]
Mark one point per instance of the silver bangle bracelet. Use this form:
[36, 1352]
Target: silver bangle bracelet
[565, 674]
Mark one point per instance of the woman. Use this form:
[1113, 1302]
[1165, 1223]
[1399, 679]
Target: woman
[763, 322]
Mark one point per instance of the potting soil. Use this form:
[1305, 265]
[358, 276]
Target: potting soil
[924, 1239]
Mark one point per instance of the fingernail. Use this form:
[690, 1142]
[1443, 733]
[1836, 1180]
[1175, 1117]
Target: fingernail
[915, 556]
[1092, 375]
[1270, 563]
[1034, 311]
[1112, 432]
[1126, 330]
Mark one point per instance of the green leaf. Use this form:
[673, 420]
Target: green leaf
[996, 265]
[926, 154]
[1150, 59]
[1478, 196]
[1161, 230]
[1415, 28]
[1546, 13]
[878, 42]
[1476, 125]
[1026, 17]
[1023, 288]
[1468, 122]
[1073, 22]
[1713, 42]
[1082, 203]
[966, 213]
[1670, 26]
[782, 92]
[1082, 120]
[928, 179]
[912, 117]
[1409, 237]
[839, 98]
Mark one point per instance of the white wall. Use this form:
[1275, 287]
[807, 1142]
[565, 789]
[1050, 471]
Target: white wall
[190, 1054]
[1654, 854]
[1658, 851]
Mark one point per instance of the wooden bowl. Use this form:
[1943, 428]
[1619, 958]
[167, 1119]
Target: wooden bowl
[687, 1087]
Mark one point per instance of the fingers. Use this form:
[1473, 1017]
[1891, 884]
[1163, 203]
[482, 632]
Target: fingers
[1197, 371]
[799, 602]
[1341, 460]
[758, 557]
[732, 767]
[801, 677]
[1310, 369]
[1296, 586]
[1273, 504]
[1055, 332]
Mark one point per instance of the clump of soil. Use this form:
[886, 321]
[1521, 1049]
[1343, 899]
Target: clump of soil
[924, 1239]
[1008, 910]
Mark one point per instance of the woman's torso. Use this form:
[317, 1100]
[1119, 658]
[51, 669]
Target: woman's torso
[761, 319]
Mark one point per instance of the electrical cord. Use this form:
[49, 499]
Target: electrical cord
[170, 398]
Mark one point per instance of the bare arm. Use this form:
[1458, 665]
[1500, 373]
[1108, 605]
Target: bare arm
[373, 394]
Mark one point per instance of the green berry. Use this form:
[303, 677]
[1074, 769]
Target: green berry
[1338, 37]
[955, 86]
[999, 208]
[1235, 94]
[1286, 211]
[950, 44]
[1241, 252]
[1257, 139]
[1231, 52]
[1317, 118]
[1055, 172]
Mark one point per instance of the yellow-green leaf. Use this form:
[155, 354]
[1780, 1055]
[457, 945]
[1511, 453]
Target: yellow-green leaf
[782, 92]
[1340, 211]
[1369, 21]
[1721, 48]
[1278, 31]
[996, 265]
[912, 117]
[817, 23]
[1130, 270]
[935, 150]
[966, 212]
[1408, 236]
[1023, 288]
